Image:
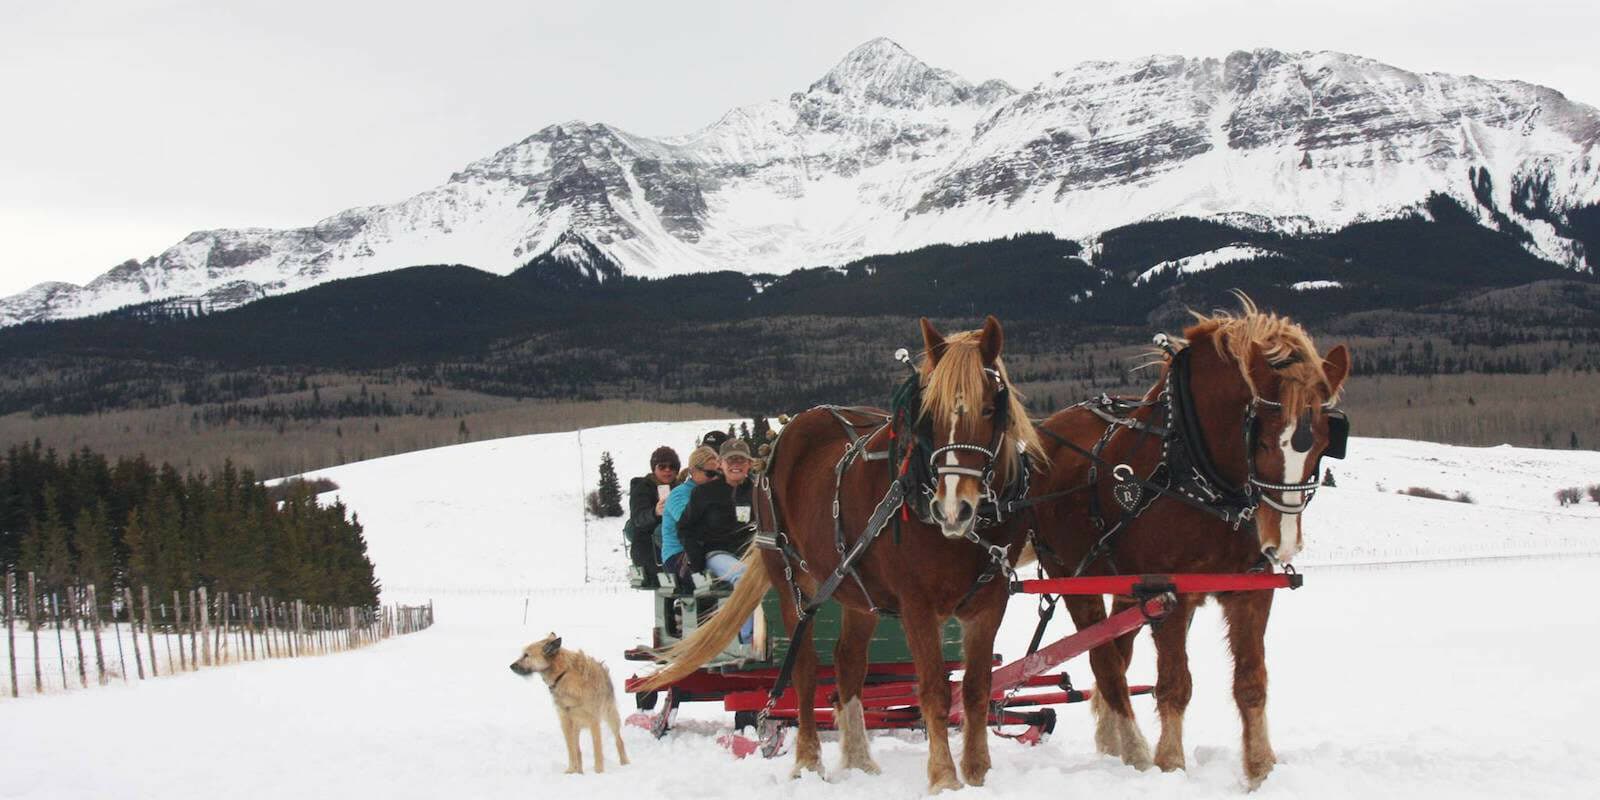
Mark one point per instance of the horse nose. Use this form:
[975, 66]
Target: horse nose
[966, 512]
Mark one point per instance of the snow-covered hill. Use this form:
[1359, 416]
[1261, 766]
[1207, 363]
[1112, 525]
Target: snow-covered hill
[885, 153]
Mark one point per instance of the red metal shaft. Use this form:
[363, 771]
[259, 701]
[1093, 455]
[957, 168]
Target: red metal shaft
[1018, 672]
[1190, 583]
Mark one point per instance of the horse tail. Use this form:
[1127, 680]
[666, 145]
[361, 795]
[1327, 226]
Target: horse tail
[720, 628]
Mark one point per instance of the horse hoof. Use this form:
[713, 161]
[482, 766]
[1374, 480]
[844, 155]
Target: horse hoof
[940, 784]
[1255, 776]
[804, 767]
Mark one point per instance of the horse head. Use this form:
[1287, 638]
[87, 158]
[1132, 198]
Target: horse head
[978, 424]
[1265, 384]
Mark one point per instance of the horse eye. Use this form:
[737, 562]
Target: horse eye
[988, 411]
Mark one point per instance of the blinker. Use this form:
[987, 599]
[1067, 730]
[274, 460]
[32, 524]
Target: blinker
[1303, 438]
[1338, 434]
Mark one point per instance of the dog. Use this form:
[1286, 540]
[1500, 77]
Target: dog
[581, 689]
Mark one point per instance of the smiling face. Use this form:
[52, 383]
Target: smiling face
[735, 469]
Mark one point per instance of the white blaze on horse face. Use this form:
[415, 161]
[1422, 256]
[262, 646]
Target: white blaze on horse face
[1294, 471]
[951, 500]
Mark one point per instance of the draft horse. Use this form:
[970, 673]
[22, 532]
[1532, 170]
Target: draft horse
[976, 438]
[1209, 472]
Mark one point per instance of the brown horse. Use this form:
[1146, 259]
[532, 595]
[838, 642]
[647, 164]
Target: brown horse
[1252, 397]
[977, 428]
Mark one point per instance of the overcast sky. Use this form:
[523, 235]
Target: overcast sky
[126, 124]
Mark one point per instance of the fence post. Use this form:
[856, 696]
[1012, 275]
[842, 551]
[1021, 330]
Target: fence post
[250, 623]
[219, 647]
[94, 621]
[33, 625]
[11, 629]
[133, 628]
[61, 645]
[299, 627]
[204, 630]
[75, 610]
[266, 626]
[149, 631]
[177, 625]
[116, 630]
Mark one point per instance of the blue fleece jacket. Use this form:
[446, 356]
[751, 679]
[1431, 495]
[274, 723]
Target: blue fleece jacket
[677, 501]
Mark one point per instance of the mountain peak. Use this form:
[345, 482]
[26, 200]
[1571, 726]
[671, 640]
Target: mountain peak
[882, 72]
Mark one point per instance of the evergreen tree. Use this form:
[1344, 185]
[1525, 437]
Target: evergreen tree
[610, 488]
[55, 558]
[91, 535]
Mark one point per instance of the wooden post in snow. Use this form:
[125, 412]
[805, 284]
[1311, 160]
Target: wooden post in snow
[177, 624]
[133, 628]
[250, 622]
[11, 628]
[61, 645]
[204, 630]
[94, 622]
[150, 632]
[75, 610]
[33, 625]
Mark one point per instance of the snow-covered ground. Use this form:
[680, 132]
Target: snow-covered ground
[1409, 666]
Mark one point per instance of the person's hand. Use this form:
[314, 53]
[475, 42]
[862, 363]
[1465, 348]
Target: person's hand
[661, 506]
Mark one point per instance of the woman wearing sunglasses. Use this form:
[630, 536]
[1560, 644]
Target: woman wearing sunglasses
[703, 466]
[647, 497]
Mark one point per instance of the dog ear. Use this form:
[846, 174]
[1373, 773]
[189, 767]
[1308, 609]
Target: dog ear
[552, 647]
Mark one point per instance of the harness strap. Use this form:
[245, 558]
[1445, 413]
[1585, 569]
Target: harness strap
[1220, 513]
[875, 524]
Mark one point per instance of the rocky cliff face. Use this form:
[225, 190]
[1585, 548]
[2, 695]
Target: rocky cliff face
[885, 153]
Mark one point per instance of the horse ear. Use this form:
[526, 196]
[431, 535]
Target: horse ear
[1337, 366]
[991, 340]
[932, 342]
[1262, 376]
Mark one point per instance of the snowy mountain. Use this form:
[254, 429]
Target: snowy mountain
[885, 153]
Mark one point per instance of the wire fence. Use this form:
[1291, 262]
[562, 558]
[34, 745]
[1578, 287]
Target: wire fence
[64, 639]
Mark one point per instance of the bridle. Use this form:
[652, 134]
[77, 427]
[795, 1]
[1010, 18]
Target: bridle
[1202, 481]
[1338, 436]
[990, 453]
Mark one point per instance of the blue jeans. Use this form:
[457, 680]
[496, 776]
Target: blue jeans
[728, 567]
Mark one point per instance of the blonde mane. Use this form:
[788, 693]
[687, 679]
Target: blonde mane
[959, 375]
[1286, 345]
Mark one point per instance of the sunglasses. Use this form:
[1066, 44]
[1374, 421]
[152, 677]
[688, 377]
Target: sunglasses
[708, 472]
[673, 467]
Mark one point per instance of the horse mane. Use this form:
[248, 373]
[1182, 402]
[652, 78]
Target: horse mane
[959, 375]
[1287, 347]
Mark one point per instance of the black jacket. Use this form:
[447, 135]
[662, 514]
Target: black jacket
[710, 522]
[642, 497]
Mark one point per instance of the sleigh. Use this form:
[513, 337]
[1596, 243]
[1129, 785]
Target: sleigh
[1024, 694]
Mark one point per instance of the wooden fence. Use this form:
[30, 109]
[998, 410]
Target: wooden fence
[69, 637]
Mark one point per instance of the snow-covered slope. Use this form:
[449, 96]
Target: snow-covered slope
[885, 153]
[505, 516]
[1395, 680]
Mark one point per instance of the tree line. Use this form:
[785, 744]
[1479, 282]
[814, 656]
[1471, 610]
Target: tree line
[84, 519]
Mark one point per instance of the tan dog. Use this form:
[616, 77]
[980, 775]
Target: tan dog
[581, 689]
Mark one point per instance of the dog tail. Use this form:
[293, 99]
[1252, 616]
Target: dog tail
[719, 629]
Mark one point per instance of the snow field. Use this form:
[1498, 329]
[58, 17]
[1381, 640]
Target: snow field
[1455, 678]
